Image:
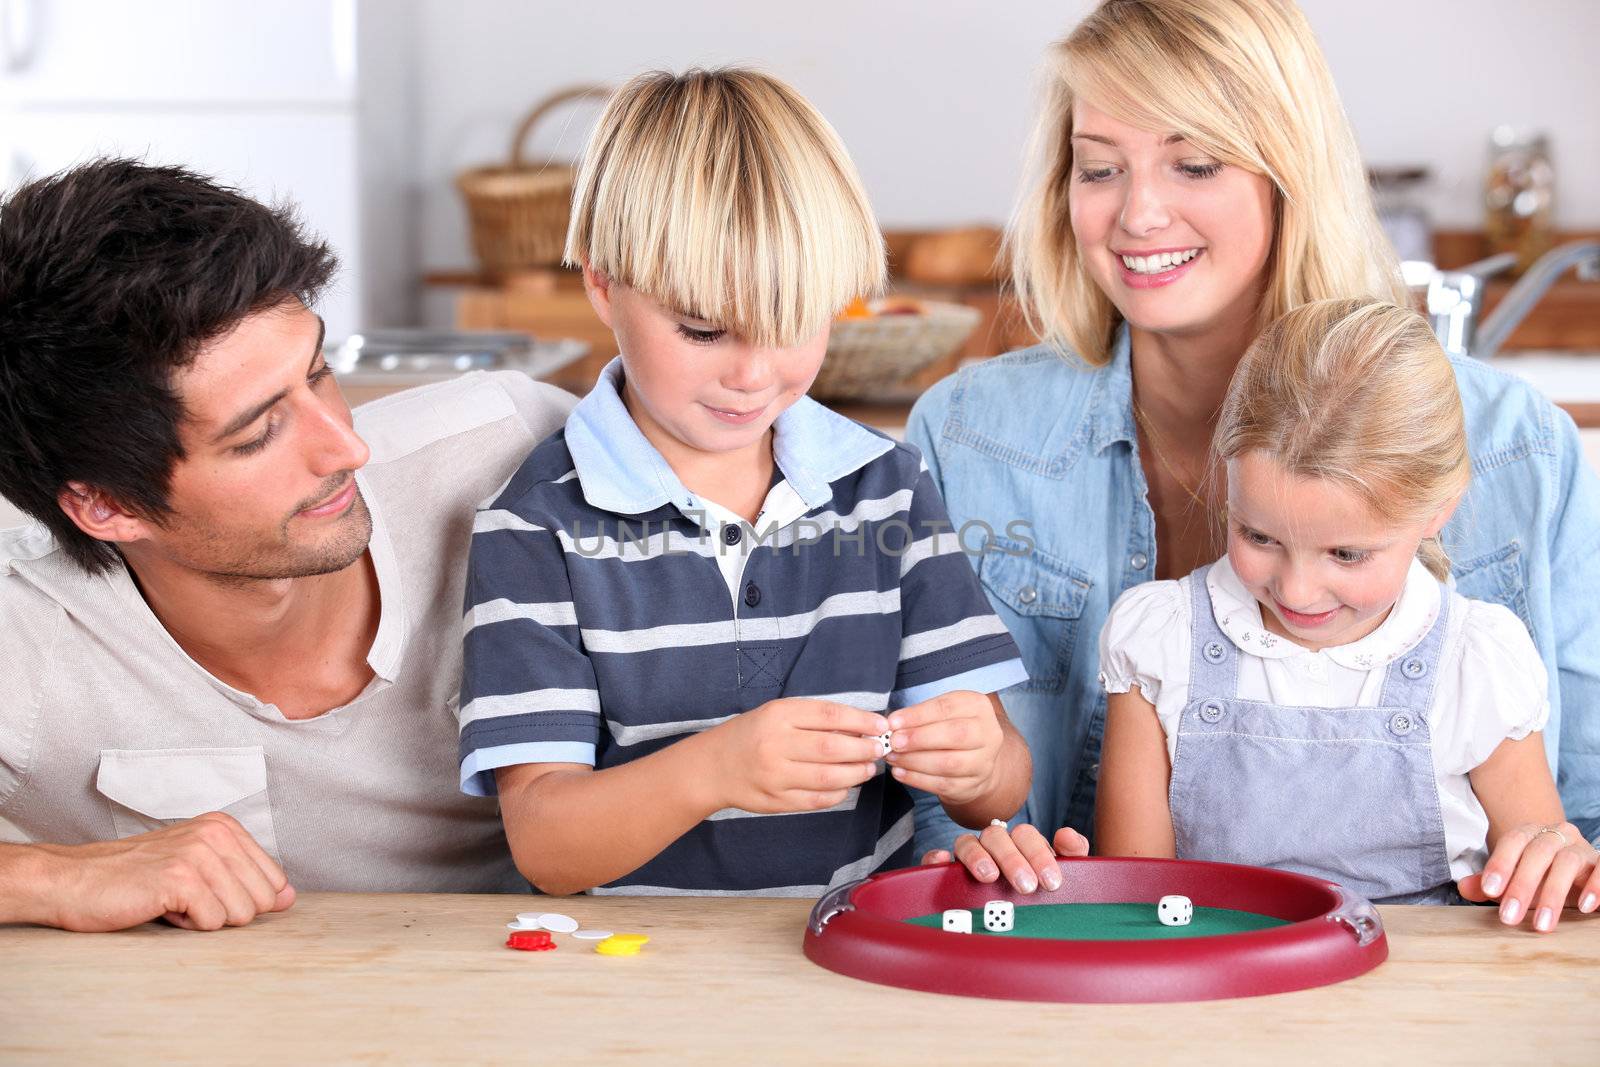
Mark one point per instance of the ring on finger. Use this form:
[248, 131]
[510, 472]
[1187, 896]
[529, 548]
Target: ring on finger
[1552, 830]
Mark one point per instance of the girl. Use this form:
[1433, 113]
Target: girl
[1320, 699]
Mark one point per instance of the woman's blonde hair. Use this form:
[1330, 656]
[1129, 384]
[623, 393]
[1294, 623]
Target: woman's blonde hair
[725, 195]
[1357, 392]
[1243, 81]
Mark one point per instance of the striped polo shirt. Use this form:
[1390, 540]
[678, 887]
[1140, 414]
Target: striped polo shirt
[611, 611]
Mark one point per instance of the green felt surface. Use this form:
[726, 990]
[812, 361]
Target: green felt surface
[1111, 922]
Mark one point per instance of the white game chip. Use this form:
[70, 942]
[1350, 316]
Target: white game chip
[591, 935]
[557, 923]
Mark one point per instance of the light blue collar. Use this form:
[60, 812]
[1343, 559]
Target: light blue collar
[621, 472]
[1111, 405]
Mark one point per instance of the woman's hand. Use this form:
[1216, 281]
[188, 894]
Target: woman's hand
[1027, 859]
[1538, 870]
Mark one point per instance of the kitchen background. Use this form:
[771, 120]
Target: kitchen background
[366, 113]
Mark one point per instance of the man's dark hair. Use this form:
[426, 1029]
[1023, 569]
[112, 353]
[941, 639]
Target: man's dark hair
[113, 276]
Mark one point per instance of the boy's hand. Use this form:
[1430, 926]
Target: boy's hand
[795, 754]
[1534, 870]
[1026, 859]
[947, 746]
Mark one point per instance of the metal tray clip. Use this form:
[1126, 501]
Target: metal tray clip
[833, 902]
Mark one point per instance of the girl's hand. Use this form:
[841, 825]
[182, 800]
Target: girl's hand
[1023, 854]
[1538, 870]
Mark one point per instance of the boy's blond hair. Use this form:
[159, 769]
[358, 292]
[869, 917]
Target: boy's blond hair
[1242, 80]
[723, 194]
[1357, 392]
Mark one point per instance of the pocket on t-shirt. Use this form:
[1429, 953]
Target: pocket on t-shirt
[1040, 599]
[150, 789]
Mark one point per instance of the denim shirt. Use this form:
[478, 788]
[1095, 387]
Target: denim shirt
[1049, 440]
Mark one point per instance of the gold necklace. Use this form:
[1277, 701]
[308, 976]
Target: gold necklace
[1161, 457]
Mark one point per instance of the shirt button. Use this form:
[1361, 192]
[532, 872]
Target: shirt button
[731, 534]
[752, 595]
[1316, 669]
[1139, 561]
[1027, 594]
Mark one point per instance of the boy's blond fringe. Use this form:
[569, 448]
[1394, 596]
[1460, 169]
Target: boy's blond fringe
[724, 195]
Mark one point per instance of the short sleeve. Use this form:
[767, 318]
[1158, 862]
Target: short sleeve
[1145, 640]
[528, 690]
[543, 408]
[1502, 685]
[15, 722]
[28, 652]
[951, 639]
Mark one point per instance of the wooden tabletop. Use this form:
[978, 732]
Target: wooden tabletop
[425, 979]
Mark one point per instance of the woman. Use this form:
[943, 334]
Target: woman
[1194, 176]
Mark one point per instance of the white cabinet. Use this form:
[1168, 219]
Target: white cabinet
[305, 100]
[310, 158]
[208, 52]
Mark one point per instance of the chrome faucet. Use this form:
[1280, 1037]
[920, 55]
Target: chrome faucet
[1455, 297]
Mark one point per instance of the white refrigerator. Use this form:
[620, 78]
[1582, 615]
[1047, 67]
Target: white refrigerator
[309, 100]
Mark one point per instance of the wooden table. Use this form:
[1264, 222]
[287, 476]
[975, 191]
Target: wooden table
[425, 979]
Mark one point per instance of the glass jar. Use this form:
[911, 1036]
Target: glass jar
[1519, 195]
[1399, 195]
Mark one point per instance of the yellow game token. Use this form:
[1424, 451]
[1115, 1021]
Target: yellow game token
[621, 945]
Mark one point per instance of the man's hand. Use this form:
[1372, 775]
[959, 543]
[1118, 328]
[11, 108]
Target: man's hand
[202, 874]
[794, 754]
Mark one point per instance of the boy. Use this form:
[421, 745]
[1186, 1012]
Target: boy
[688, 612]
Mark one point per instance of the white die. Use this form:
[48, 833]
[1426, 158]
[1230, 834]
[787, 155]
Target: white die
[1175, 911]
[999, 915]
[958, 921]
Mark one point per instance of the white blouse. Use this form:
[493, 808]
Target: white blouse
[1491, 686]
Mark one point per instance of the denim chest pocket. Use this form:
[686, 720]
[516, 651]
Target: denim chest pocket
[1498, 578]
[155, 788]
[1040, 599]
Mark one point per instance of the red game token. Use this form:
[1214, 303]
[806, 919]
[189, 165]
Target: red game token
[530, 940]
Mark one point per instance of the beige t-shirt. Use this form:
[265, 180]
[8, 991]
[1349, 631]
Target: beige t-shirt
[108, 729]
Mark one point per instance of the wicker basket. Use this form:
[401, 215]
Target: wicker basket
[868, 355]
[519, 212]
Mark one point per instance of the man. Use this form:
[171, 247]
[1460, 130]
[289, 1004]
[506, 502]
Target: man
[231, 640]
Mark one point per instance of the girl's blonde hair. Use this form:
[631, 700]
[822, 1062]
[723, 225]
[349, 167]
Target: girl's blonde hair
[1357, 392]
[725, 195]
[1241, 80]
